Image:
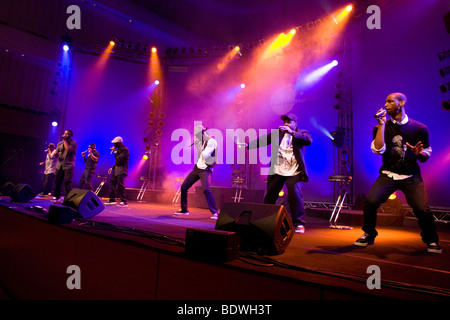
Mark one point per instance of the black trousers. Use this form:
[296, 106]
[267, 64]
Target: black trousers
[416, 196]
[86, 179]
[118, 188]
[63, 175]
[275, 184]
[204, 176]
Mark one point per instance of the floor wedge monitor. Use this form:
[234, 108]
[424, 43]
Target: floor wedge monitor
[264, 228]
[85, 202]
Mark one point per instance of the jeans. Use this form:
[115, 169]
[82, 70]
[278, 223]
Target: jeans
[204, 176]
[416, 197]
[47, 183]
[275, 184]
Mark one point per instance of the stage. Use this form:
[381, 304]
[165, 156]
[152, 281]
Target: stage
[138, 253]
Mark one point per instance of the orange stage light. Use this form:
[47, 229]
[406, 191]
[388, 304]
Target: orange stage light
[393, 196]
[112, 43]
[349, 8]
[153, 49]
[145, 157]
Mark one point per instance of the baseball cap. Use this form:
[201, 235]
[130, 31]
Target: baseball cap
[289, 116]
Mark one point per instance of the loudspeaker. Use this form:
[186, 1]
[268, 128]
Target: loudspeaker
[7, 189]
[85, 202]
[263, 228]
[61, 214]
[22, 193]
[217, 246]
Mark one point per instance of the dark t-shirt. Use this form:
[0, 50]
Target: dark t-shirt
[398, 158]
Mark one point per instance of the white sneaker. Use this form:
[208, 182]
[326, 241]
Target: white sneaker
[215, 216]
[123, 205]
[181, 213]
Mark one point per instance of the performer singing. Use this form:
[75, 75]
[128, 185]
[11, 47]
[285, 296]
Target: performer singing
[66, 153]
[50, 169]
[202, 171]
[119, 172]
[289, 168]
[91, 160]
[401, 141]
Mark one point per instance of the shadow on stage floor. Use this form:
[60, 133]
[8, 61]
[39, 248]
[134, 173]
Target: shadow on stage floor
[138, 252]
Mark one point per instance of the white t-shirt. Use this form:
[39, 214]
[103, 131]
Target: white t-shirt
[208, 148]
[286, 164]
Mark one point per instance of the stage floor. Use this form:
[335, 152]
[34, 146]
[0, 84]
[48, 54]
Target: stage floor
[321, 256]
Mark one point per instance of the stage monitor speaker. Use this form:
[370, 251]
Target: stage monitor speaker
[264, 228]
[61, 214]
[22, 193]
[85, 202]
[7, 189]
[217, 246]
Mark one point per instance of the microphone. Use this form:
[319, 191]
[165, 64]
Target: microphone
[204, 130]
[380, 113]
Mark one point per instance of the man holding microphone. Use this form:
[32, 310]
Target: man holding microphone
[90, 157]
[402, 142]
[65, 152]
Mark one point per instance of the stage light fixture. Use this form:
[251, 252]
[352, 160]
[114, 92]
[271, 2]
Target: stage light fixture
[156, 82]
[242, 85]
[66, 47]
[444, 88]
[145, 157]
[112, 43]
[349, 8]
[445, 105]
[445, 71]
[444, 55]
[54, 123]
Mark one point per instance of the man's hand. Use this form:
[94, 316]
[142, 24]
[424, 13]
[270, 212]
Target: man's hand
[417, 149]
[286, 129]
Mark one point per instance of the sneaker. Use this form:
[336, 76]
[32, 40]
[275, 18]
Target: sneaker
[123, 204]
[215, 216]
[434, 247]
[365, 240]
[111, 202]
[300, 229]
[181, 213]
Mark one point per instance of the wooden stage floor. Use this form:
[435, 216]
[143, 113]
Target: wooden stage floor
[137, 253]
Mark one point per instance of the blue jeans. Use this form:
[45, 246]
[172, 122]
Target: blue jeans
[195, 175]
[416, 197]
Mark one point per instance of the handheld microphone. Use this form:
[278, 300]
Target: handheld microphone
[380, 113]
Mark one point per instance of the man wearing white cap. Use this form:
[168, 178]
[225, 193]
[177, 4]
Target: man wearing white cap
[119, 171]
[202, 171]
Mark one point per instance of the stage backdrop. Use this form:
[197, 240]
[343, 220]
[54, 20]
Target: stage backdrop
[108, 102]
